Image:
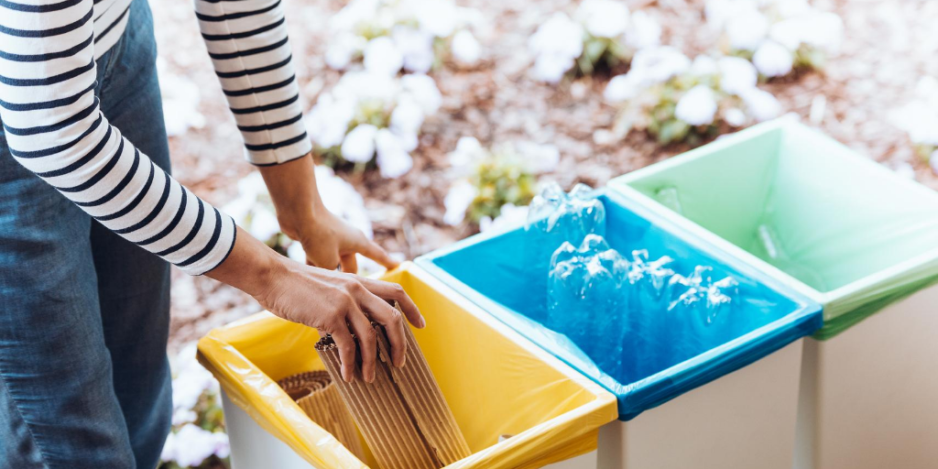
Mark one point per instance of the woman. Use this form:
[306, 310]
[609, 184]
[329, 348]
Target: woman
[85, 246]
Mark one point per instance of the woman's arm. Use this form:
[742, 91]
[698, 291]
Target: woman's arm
[247, 41]
[55, 128]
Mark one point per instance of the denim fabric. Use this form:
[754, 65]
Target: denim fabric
[84, 314]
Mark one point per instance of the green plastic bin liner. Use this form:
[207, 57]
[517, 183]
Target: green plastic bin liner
[842, 229]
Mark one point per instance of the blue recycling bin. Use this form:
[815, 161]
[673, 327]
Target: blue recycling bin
[489, 269]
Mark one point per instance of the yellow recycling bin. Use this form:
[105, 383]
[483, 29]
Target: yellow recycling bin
[496, 382]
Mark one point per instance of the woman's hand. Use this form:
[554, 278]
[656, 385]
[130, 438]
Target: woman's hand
[330, 242]
[333, 302]
[327, 239]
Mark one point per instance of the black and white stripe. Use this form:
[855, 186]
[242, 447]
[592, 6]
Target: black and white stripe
[54, 125]
[247, 41]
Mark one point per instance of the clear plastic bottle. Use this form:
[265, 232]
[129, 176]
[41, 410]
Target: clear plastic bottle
[648, 309]
[556, 217]
[650, 281]
[569, 216]
[702, 310]
[587, 299]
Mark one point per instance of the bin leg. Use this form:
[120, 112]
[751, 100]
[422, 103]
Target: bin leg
[877, 388]
[806, 428]
[611, 447]
[252, 447]
[743, 420]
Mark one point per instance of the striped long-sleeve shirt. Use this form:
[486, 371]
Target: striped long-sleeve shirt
[54, 125]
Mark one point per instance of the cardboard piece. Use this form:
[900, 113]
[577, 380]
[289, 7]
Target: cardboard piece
[319, 398]
[403, 416]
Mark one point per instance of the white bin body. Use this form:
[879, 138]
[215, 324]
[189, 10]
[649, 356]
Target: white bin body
[744, 420]
[870, 394]
[583, 461]
[252, 447]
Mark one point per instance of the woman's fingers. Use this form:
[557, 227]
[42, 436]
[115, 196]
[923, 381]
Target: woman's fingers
[346, 345]
[350, 264]
[366, 335]
[328, 261]
[393, 291]
[393, 323]
[365, 300]
[374, 252]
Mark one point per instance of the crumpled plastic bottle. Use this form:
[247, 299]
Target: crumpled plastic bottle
[555, 217]
[571, 216]
[648, 311]
[702, 310]
[771, 249]
[708, 299]
[669, 197]
[650, 281]
[588, 298]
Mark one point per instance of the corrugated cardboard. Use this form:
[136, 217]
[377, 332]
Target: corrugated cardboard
[319, 398]
[403, 416]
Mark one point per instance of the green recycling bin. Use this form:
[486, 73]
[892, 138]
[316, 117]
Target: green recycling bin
[851, 235]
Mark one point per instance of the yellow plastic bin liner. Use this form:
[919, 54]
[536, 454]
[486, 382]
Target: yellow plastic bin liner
[496, 382]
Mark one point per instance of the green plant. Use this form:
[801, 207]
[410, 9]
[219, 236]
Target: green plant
[500, 179]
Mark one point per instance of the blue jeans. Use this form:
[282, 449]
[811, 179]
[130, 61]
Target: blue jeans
[84, 315]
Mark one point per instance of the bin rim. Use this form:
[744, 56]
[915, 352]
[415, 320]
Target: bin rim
[622, 184]
[601, 406]
[635, 398]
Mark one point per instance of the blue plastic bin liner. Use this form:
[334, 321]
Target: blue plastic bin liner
[489, 270]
